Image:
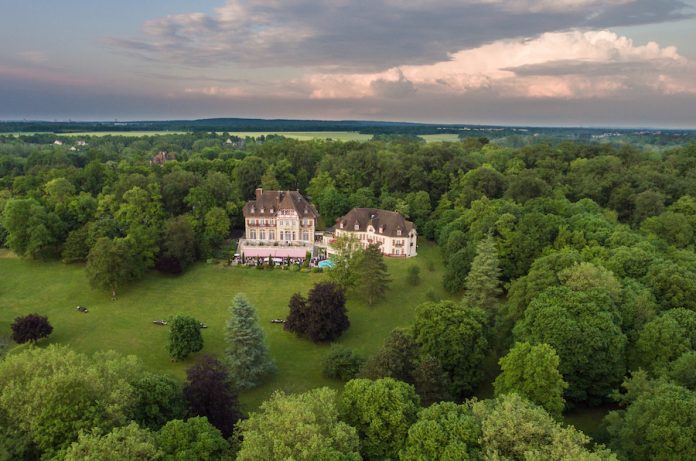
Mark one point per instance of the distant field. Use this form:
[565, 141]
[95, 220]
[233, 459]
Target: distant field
[299, 135]
[308, 135]
[101, 133]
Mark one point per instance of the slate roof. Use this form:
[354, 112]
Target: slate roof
[267, 200]
[389, 221]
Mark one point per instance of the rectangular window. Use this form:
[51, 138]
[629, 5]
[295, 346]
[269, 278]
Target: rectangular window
[262, 234]
[271, 235]
[252, 234]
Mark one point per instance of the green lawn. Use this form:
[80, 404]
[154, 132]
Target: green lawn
[205, 291]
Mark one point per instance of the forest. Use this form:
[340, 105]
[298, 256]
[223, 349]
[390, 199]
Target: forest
[571, 263]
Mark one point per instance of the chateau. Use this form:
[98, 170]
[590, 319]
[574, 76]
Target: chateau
[395, 235]
[279, 223]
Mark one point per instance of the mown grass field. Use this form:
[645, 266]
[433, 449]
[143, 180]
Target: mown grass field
[205, 292]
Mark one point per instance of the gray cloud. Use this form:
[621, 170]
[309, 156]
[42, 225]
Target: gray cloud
[34, 99]
[365, 35]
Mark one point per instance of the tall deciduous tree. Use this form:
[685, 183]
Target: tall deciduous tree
[128, 443]
[184, 337]
[192, 440]
[582, 327]
[514, 428]
[444, 431]
[210, 393]
[455, 335]
[178, 245]
[664, 339]
[30, 228]
[302, 427]
[483, 281]
[246, 353]
[111, 264]
[532, 372]
[382, 411]
[396, 359]
[30, 328]
[158, 399]
[374, 275]
[658, 422]
[347, 257]
[51, 394]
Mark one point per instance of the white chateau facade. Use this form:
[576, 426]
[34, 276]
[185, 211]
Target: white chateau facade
[392, 232]
[283, 221]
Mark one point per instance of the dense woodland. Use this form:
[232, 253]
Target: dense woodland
[572, 262]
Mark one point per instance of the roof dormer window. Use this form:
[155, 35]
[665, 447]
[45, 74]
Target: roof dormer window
[357, 226]
[261, 210]
[398, 232]
[341, 225]
[381, 229]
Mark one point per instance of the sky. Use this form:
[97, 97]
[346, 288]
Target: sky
[623, 63]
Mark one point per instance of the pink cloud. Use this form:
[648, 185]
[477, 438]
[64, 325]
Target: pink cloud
[575, 64]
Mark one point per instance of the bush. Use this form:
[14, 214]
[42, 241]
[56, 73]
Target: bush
[413, 277]
[342, 363]
[317, 270]
[30, 328]
[431, 295]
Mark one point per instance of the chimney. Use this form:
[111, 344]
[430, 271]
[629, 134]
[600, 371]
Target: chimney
[259, 192]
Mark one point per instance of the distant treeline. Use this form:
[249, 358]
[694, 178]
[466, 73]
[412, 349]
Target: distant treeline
[365, 127]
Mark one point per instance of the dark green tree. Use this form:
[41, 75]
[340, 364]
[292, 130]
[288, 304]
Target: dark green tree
[192, 440]
[454, 334]
[582, 328]
[483, 280]
[246, 353]
[178, 245]
[302, 427]
[532, 372]
[374, 274]
[444, 431]
[382, 411]
[658, 422]
[397, 358]
[664, 339]
[342, 363]
[128, 443]
[158, 399]
[111, 264]
[184, 337]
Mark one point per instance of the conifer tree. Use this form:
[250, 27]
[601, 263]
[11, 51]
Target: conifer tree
[373, 270]
[247, 353]
[483, 280]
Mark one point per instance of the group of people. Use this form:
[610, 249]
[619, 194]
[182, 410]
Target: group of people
[277, 261]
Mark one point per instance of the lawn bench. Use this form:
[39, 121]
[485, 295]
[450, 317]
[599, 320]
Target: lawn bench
[159, 322]
[82, 309]
[277, 321]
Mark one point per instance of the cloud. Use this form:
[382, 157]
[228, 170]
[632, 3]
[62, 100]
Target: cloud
[563, 65]
[361, 35]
